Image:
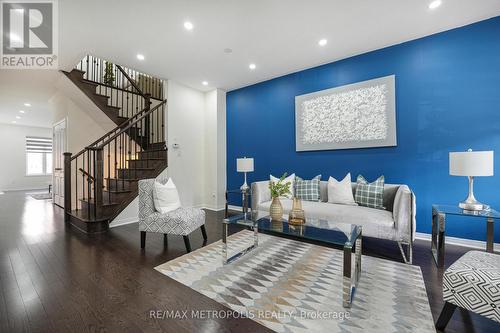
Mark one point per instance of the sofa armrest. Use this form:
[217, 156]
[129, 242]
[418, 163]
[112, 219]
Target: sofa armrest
[404, 213]
[260, 193]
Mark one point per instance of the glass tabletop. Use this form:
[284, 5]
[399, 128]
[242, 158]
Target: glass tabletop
[323, 230]
[455, 210]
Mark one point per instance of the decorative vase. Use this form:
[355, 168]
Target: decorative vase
[276, 210]
[296, 216]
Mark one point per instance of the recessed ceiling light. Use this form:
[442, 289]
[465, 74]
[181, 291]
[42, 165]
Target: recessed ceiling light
[17, 117]
[21, 111]
[435, 4]
[322, 42]
[140, 56]
[252, 66]
[227, 50]
[27, 104]
[205, 83]
[14, 121]
[188, 25]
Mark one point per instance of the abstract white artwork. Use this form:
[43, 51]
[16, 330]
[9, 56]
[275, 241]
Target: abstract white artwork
[358, 115]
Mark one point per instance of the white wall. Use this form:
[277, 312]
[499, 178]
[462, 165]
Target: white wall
[196, 121]
[13, 152]
[215, 149]
[186, 127]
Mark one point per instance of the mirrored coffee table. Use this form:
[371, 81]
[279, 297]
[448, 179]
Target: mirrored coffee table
[347, 236]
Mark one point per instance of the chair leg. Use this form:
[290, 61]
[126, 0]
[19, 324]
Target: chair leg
[143, 239]
[186, 242]
[165, 240]
[204, 232]
[445, 316]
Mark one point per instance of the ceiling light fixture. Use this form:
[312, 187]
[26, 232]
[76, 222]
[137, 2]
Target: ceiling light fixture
[27, 104]
[252, 66]
[21, 111]
[435, 4]
[322, 42]
[140, 56]
[205, 83]
[17, 117]
[188, 25]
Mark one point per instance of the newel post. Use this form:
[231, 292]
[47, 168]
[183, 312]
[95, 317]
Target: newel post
[67, 186]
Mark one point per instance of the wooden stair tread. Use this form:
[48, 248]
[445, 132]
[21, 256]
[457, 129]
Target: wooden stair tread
[82, 214]
[105, 201]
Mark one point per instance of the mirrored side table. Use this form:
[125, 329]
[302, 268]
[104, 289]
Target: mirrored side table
[245, 199]
[439, 213]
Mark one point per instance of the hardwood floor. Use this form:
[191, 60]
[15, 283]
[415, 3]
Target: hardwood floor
[54, 279]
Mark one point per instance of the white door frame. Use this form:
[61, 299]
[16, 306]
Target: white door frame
[65, 121]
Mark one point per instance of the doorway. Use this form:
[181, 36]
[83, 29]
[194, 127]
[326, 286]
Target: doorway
[59, 147]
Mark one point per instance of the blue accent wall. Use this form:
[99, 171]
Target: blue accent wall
[447, 99]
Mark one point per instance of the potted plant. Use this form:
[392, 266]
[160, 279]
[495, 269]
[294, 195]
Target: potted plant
[278, 189]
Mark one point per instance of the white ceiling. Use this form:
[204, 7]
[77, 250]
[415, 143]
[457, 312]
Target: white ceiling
[279, 36]
[26, 86]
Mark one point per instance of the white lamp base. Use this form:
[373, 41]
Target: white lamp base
[471, 203]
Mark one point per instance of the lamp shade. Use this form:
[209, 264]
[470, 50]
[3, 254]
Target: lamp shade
[471, 163]
[244, 164]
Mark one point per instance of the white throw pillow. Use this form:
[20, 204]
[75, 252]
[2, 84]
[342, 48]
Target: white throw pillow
[341, 192]
[290, 179]
[166, 197]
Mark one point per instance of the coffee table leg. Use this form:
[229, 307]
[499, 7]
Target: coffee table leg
[359, 248]
[224, 243]
[347, 282]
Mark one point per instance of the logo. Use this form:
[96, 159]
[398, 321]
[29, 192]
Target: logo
[29, 34]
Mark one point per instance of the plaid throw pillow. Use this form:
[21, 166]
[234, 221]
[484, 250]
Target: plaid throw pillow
[370, 194]
[307, 190]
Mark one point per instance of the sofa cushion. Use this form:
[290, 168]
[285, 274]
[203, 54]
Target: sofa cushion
[375, 222]
[370, 194]
[307, 190]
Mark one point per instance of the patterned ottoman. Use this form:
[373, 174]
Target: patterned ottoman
[472, 283]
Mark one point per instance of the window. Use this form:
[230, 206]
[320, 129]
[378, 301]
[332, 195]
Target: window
[38, 156]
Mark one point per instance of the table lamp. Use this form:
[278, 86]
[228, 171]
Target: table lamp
[244, 165]
[471, 164]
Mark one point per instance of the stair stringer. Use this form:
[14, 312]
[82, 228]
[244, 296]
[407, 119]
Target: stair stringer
[130, 213]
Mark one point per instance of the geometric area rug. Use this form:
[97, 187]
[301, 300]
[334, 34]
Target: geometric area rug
[291, 286]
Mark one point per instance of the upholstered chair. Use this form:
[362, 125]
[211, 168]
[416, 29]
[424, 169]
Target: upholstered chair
[472, 283]
[182, 221]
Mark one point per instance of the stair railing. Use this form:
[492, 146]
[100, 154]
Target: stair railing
[126, 88]
[112, 160]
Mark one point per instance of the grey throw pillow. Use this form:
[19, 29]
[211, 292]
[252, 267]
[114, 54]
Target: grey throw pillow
[370, 194]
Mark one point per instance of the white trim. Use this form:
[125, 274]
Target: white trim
[46, 188]
[458, 241]
[237, 208]
[128, 220]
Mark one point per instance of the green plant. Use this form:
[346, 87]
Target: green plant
[280, 188]
[109, 75]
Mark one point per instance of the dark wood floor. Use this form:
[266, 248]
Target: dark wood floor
[54, 279]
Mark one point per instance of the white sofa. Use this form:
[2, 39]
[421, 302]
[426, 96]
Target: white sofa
[396, 222]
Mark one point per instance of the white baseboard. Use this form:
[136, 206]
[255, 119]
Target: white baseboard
[458, 241]
[46, 188]
[128, 220]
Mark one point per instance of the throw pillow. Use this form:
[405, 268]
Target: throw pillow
[166, 197]
[307, 190]
[290, 179]
[370, 194]
[341, 192]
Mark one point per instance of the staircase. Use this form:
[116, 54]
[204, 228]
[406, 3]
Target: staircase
[102, 179]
